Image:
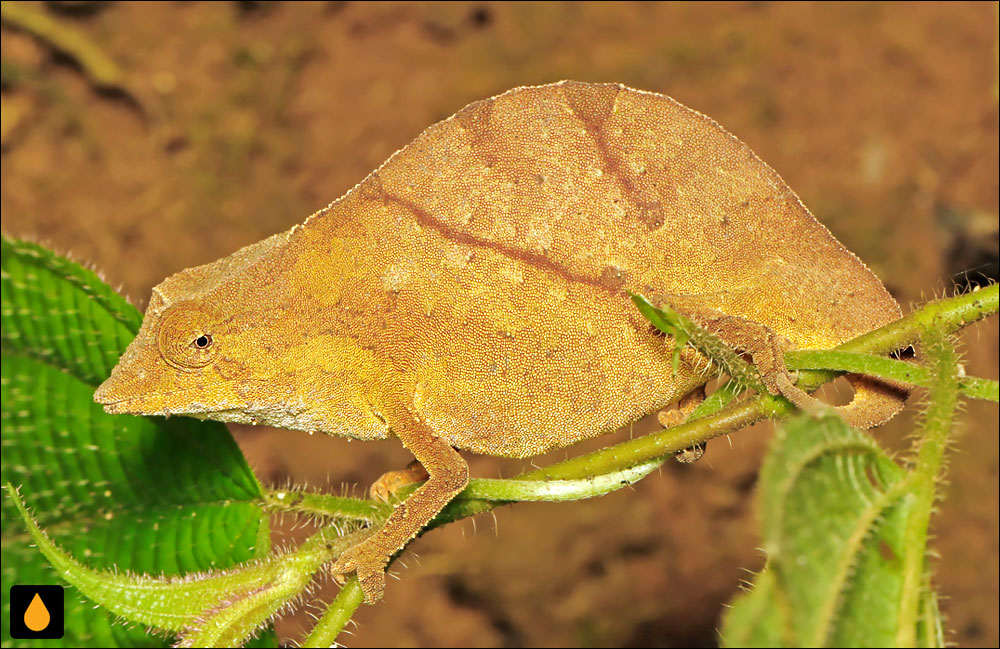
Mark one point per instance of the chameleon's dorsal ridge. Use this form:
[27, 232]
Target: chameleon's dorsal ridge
[472, 292]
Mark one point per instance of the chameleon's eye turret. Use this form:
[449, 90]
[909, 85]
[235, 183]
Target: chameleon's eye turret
[186, 336]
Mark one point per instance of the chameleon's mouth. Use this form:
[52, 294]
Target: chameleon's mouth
[116, 407]
[136, 405]
[109, 394]
[122, 398]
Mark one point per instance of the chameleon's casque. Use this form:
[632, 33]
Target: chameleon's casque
[471, 292]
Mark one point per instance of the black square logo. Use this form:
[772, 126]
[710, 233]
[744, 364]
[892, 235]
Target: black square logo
[36, 612]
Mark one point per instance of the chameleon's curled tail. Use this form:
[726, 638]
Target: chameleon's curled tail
[875, 401]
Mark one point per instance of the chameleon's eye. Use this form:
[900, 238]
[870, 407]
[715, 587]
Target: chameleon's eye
[185, 337]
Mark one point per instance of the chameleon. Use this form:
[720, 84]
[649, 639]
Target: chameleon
[472, 293]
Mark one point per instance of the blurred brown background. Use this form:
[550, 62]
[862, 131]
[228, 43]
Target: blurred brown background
[213, 125]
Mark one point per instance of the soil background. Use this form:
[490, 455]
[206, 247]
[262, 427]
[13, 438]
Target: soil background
[213, 125]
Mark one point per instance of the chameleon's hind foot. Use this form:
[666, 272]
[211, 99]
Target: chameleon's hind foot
[671, 417]
[874, 401]
[390, 482]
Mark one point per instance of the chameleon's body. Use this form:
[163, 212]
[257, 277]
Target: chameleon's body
[470, 293]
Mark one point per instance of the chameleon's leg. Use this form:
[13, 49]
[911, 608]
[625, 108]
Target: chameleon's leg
[392, 481]
[767, 352]
[448, 475]
[874, 401]
[671, 417]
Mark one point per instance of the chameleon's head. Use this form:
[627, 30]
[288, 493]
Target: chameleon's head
[199, 349]
[179, 363]
[242, 340]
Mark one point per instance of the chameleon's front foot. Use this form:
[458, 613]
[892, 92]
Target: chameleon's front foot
[369, 563]
[449, 474]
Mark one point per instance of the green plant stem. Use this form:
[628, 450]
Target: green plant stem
[485, 489]
[664, 442]
[928, 466]
[530, 489]
[946, 315]
[931, 618]
[246, 612]
[337, 615]
[886, 368]
[950, 314]
[297, 501]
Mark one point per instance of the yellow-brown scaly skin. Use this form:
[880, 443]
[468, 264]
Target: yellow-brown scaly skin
[470, 293]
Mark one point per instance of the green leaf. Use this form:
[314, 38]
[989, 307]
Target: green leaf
[835, 511]
[140, 494]
[759, 616]
[221, 608]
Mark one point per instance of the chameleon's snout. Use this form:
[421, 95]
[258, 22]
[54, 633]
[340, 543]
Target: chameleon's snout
[119, 391]
[109, 394]
[120, 397]
[134, 383]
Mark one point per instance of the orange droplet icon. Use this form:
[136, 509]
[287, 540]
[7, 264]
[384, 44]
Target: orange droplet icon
[36, 617]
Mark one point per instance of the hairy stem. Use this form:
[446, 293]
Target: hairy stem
[297, 501]
[927, 470]
[337, 615]
[887, 368]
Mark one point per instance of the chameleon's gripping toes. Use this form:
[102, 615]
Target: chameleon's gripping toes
[471, 292]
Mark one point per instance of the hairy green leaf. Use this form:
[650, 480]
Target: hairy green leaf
[146, 495]
[835, 512]
[220, 608]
